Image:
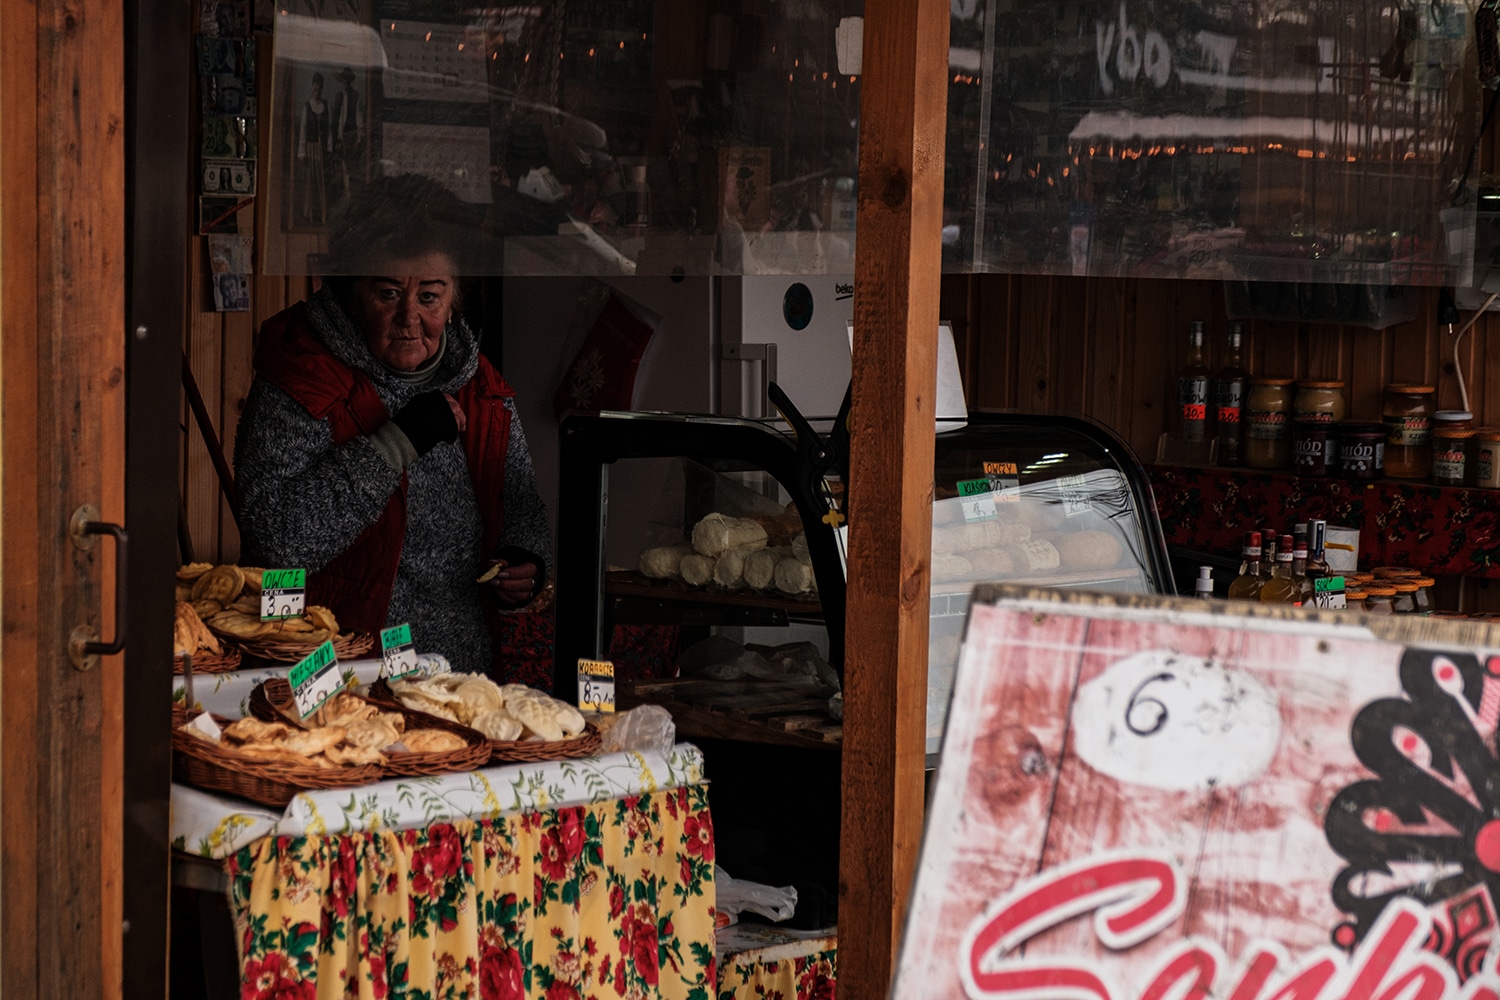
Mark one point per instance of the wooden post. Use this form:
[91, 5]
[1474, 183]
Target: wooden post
[62, 341]
[903, 108]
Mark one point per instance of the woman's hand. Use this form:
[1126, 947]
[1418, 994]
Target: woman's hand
[513, 585]
[458, 413]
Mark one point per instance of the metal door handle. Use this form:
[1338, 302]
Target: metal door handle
[84, 645]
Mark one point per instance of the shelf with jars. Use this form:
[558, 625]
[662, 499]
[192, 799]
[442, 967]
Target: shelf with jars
[1448, 530]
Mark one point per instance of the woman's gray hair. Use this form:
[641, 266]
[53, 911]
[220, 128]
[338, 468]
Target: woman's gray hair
[398, 218]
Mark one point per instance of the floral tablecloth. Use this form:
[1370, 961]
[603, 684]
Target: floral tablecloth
[614, 898]
[216, 826]
[804, 970]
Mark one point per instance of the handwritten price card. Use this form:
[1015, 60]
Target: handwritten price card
[315, 679]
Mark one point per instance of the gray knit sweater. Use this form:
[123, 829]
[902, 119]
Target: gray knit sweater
[303, 500]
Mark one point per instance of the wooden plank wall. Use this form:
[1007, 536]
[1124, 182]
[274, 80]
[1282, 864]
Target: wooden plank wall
[220, 347]
[1109, 349]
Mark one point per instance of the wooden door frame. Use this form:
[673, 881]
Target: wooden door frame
[62, 311]
[898, 265]
[160, 182]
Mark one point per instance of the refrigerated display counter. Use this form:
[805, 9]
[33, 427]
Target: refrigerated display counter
[1025, 498]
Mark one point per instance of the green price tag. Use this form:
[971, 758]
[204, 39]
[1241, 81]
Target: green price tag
[398, 656]
[977, 499]
[284, 579]
[1328, 584]
[283, 594]
[315, 679]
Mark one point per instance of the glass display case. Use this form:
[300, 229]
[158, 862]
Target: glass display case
[1047, 500]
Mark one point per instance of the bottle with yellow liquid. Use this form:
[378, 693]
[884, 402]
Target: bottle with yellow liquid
[1267, 554]
[1246, 586]
[1281, 588]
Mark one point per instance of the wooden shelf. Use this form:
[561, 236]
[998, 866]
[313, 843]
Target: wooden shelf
[638, 599]
[1442, 530]
[749, 711]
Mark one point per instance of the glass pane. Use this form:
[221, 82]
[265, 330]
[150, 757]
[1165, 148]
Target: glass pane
[628, 137]
[1018, 504]
[1311, 141]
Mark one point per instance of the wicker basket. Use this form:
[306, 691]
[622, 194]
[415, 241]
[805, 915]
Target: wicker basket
[585, 744]
[349, 646]
[272, 702]
[219, 768]
[210, 663]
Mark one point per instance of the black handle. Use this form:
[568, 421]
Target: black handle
[121, 546]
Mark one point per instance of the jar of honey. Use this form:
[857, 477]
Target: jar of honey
[1405, 601]
[1423, 596]
[1487, 458]
[1452, 418]
[1450, 455]
[1268, 432]
[1319, 402]
[1407, 415]
[1361, 450]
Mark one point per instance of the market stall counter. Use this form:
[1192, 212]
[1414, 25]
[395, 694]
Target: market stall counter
[554, 878]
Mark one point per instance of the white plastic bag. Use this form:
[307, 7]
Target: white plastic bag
[735, 896]
[642, 729]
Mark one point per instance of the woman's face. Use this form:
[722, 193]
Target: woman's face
[403, 312]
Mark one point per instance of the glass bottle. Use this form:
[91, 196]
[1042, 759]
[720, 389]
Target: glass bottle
[1246, 586]
[1230, 386]
[1317, 557]
[1299, 568]
[1281, 588]
[1192, 389]
[1203, 587]
[1267, 555]
[1379, 601]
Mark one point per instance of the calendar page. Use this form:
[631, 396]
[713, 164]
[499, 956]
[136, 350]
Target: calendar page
[433, 62]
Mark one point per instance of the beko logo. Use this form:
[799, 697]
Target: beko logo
[842, 291]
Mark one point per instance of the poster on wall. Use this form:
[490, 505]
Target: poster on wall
[1165, 805]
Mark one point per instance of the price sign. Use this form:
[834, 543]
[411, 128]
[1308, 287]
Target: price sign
[1328, 592]
[398, 657]
[1005, 480]
[977, 499]
[315, 679]
[283, 594]
[1075, 495]
[596, 686]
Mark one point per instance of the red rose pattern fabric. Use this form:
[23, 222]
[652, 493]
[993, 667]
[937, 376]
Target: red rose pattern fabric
[613, 900]
[1442, 530]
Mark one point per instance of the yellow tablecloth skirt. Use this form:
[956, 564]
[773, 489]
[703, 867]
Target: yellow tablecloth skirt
[804, 971]
[613, 899]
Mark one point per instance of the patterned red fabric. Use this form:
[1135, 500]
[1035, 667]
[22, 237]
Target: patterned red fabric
[1445, 531]
[645, 651]
[524, 644]
[523, 649]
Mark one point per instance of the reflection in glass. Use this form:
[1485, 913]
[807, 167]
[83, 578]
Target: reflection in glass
[1017, 501]
[1310, 141]
[638, 136]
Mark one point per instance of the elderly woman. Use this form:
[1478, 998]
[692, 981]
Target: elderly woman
[380, 451]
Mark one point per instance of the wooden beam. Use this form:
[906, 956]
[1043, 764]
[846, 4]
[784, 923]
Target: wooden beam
[903, 108]
[62, 340]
